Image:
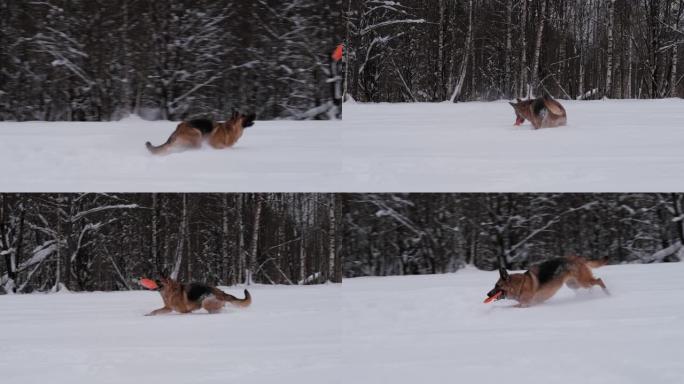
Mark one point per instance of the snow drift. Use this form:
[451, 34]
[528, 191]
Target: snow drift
[271, 156]
[288, 335]
[435, 329]
[607, 146]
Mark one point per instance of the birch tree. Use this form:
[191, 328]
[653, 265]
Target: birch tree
[464, 64]
[537, 49]
[181, 238]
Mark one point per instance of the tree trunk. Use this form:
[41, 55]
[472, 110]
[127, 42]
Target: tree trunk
[464, 63]
[166, 249]
[675, 49]
[678, 212]
[332, 239]
[630, 92]
[225, 258]
[58, 241]
[18, 248]
[255, 240]
[609, 63]
[240, 264]
[67, 234]
[537, 50]
[302, 241]
[509, 48]
[440, 51]
[181, 238]
[523, 49]
[154, 252]
[346, 56]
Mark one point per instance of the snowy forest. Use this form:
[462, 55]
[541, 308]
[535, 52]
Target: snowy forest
[401, 234]
[99, 60]
[462, 50]
[86, 242]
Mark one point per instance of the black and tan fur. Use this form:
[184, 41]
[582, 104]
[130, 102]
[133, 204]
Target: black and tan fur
[185, 298]
[543, 280]
[191, 133]
[542, 112]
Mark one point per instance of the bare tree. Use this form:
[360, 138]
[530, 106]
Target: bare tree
[256, 227]
[464, 64]
[609, 55]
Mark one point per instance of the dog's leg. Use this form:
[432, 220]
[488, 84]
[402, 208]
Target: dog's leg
[195, 139]
[212, 304]
[588, 281]
[599, 282]
[159, 311]
[189, 138]
[573, 284]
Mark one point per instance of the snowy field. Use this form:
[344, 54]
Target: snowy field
[608, 146]
[271, 156]
[288, 335]
[435, 329]
[615, 145]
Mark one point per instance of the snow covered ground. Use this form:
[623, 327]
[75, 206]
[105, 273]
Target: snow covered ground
[435, 329]
[288, 335]
[407, 329]
[612, 145]
[272, 156]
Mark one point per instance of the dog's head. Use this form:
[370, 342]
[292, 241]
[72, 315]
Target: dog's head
[519, 107]
[505, 287]
[244, 121]
[166, 284]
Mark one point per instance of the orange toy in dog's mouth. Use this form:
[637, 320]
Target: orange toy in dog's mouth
[149, 284]
[493, 297]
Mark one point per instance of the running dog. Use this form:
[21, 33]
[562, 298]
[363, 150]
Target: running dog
[542, 112]
[185, 298]
[192, 133]
[543, 280]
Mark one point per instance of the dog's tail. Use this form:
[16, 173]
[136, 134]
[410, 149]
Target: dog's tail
[153, 149]
[232, 299]
[157, 149]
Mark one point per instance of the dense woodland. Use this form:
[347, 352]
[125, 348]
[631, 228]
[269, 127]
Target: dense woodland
[395, 234]
[85, 242]
[94, 60]
[458, 50]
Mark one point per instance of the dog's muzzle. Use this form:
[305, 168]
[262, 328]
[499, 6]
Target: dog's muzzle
[495, 291]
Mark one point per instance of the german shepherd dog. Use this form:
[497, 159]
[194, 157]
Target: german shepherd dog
[543, 280]
[192, 133]
[542, 112]
[185, 298]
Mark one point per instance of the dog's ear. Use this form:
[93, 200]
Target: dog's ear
[234, 115]
[503, 273]
[164, 273]
[518, 99]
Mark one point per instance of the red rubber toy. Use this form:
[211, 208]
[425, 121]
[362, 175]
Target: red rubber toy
[148, 283]
[493, 297]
